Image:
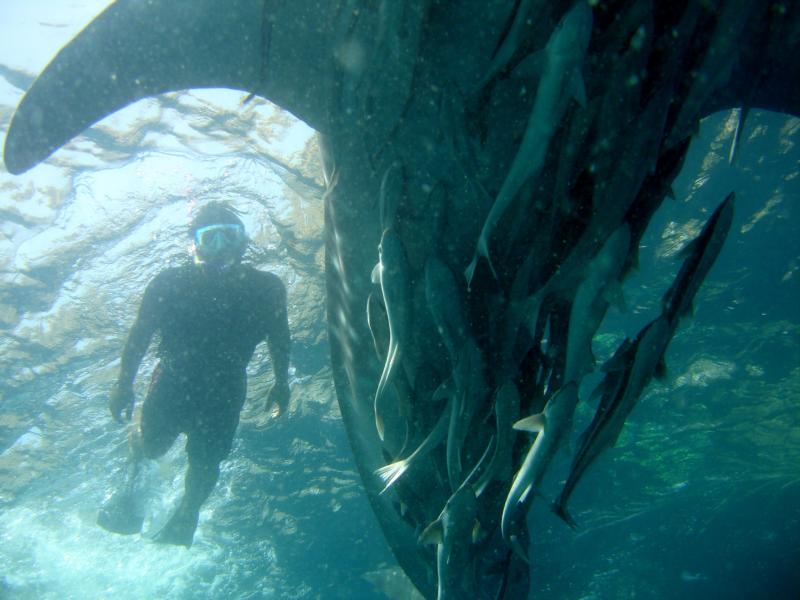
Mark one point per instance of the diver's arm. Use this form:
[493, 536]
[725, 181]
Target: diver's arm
[135, 348]
[143, 328]
[122, 397]
[278, 340]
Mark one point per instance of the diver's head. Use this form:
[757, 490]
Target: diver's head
[218, 236]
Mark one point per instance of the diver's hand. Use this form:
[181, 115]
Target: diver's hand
[278, 399]
[121, 398]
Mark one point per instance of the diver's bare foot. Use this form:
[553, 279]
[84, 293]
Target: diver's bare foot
[179, 530]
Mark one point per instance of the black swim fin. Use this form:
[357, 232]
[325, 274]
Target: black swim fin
[179, 530]
[121, 514]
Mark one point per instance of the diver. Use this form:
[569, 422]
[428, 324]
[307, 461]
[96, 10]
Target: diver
[210, 314]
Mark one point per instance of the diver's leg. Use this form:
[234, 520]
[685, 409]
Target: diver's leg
[209, 443]
[199, 483]
[123, 513]
[201, 477]
[160, 424]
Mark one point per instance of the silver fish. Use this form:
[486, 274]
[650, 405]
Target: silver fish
[506, 409]
[592, 300]
[629, 373]
[552, 428]
[395, 286]
[701, 254]
[560, 81]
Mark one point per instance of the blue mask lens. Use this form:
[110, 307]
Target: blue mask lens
[222, 241]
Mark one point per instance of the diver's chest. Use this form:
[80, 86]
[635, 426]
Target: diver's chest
[221, 313]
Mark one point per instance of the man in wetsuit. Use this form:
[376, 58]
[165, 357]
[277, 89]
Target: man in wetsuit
[210, 315]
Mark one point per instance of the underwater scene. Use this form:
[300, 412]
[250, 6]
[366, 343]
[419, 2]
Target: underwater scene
[699, 498]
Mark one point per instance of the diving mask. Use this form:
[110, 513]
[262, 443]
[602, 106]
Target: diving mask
[220, 243]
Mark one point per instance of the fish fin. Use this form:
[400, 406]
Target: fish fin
[477, 531]
[491, 267]
[689, 249]
[469, 272]
[617, 362]
[561, 511]
[378, 418]
[524, 495]
[688, 312]
[633, 259]
[379, 426]
[533, 423]
[481, 250]
[531, 310]
[596, 394]
[392, 360]
[614, 295]
[592, 359]
[661, 369]
[537, 493]
[392, 472]
[508, 43]
[517, 547]
[530, 67]
[432, 534]
[375, 276]
[577, 89]
[738, 134]
[741, 116]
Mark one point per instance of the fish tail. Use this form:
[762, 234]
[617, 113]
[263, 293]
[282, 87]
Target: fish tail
[561, 510]
[491, 267]
[483, 250]
[518, 548]
[386, 375]
[469, 272]
[509, 527]
[378, 418]
[392, 472]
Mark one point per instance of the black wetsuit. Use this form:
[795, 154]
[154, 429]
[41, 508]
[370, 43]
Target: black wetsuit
[209, 326]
